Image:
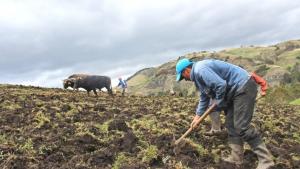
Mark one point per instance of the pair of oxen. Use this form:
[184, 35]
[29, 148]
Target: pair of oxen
[88, 82]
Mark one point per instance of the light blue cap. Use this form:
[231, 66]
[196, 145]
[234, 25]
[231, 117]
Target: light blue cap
[180, 66]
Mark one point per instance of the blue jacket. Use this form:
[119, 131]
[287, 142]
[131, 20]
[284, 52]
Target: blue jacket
[218, 80]
[122, 83]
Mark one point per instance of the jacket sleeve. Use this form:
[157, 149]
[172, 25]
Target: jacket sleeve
[217, 84]
[203, 104]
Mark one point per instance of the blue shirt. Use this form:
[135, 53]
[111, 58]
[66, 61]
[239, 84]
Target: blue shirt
[122, 83]
[217, 79]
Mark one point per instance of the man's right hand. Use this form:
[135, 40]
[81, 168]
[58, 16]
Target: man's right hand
[194, 122]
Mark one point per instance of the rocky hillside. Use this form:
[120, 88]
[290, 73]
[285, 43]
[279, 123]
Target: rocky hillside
[279, 64]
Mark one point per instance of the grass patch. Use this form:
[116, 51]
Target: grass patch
[295, 102]
[27, 147]
[200, 149]
[43, 149]
[10, 106]
[149, 154]
[81, 129]
[179, 165]
[296, 136]
[3, 139]
[248, 52]
[150, 123]
[41, 119]
[121, 160]
[103, 128]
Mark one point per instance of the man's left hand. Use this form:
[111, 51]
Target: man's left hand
[194, 122]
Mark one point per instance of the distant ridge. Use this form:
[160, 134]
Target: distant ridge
[279, 64]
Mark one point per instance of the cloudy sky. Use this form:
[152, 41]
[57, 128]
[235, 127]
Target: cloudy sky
[44, 41]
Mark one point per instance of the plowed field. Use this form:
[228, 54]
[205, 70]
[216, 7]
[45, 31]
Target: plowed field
[55, 128]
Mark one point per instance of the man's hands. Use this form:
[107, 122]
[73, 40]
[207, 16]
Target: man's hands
[194, 122]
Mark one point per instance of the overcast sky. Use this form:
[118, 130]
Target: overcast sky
[44, 41]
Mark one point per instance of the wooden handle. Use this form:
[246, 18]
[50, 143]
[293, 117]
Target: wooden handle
[206, 113]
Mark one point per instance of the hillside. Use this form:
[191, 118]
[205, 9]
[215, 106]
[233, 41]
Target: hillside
[54, 128]
[279, 64]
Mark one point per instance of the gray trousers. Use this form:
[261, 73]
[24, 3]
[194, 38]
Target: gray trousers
[239, 115]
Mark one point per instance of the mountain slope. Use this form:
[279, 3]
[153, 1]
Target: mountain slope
[279, 64]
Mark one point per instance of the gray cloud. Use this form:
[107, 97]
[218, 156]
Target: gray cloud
[42, 42]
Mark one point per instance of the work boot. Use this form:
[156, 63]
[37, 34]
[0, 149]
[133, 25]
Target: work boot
[236, 156]
[264, 156]
[215, 123]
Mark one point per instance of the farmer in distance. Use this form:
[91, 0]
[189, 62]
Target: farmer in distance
[123, 85]
[234, 91]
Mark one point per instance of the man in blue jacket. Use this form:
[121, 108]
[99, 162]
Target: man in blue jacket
[235, 91]
[123, 85]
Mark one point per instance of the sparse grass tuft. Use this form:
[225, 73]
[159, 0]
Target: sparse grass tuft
[27, 147]
[3, 139]
[179, 165]
[41, 119]
[43, 149]
[103, 127]
[81, 129]
[296, 136]
[200, 149]
[120, 160]
[149, 154]
[10, 106]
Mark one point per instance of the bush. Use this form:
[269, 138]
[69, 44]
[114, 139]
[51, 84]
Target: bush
[262, 70]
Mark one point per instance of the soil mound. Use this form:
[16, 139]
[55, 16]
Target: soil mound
[118, 124]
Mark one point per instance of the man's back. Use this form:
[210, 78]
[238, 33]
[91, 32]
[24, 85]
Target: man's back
[215, 70]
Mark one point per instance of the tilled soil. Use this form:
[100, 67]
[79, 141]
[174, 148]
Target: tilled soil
[55, 128]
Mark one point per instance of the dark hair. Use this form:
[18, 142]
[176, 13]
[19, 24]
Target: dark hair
[191, 65]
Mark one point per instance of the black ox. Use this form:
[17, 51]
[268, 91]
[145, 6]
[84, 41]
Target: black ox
[88, 82]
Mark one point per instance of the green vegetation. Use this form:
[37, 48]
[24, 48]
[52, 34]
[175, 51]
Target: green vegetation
[283, 94]
[81, 130]
[288, 59]
[41, 119]
[149, 154]
[120, 161]
[295, 102]
[179, 165]
[296, 136]
[27, 147]
[10, 106]
[103, 127]
[276, 63]
[150, 123]
[43, 149]
[3, 139]
[247, 52]
[201, 150]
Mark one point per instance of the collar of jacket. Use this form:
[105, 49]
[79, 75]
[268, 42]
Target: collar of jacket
[192, 76]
